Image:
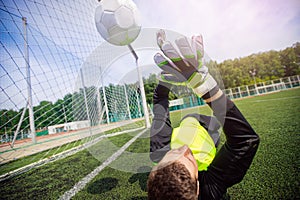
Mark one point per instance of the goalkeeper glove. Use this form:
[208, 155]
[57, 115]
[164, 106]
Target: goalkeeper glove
[187, 68]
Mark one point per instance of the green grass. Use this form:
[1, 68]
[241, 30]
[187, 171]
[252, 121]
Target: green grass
[274, 173]
[52, 180]
[12, 165]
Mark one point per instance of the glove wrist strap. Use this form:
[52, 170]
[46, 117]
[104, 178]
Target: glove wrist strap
[207, 85]
[214, 97]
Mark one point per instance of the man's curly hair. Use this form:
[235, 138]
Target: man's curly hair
[173, 181]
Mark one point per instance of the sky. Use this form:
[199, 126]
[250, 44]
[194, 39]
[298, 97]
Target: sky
[230, 29]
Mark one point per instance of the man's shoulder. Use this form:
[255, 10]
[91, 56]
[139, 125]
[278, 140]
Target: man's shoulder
[211, 187]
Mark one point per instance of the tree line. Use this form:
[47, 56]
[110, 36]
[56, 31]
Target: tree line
[261, 67]
[266, 65]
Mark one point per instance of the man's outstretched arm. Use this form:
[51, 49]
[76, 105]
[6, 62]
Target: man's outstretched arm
[161, 130]
[235, 156]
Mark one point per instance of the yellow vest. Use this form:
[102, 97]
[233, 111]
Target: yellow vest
[191, 133]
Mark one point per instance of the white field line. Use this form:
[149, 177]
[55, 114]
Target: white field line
[61, 155]
[82, 183]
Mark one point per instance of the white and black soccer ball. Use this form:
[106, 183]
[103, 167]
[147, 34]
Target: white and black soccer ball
[118, 21]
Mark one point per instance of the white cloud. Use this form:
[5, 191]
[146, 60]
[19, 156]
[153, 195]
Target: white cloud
[230, 28]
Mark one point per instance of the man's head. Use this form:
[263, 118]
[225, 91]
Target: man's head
[175, 176]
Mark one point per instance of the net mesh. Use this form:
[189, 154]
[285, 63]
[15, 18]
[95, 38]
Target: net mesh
[55, 40]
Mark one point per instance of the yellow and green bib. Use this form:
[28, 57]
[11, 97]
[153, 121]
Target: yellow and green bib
[191, 133]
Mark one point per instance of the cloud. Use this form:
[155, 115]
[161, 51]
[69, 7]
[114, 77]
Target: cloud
[231, 29]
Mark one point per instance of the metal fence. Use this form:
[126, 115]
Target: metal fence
[244, 91]
[263, 87]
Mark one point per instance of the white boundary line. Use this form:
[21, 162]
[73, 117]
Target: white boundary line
[82, 183]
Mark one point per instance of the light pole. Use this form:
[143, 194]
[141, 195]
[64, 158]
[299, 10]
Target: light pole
[253, 73]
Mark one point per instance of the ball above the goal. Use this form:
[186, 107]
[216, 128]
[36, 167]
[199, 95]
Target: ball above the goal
[118, 21]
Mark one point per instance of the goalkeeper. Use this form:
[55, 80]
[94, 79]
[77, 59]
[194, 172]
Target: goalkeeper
[188, 166]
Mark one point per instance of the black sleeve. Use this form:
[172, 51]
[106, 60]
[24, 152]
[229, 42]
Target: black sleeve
[235, 156]
[161, 130]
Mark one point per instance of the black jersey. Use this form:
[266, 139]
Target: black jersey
[232, 160]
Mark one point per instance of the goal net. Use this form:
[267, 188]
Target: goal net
[57, 78]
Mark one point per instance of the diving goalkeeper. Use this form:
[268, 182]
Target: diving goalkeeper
[188, 165]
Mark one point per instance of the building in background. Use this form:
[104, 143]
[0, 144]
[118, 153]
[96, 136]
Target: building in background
[70, 126]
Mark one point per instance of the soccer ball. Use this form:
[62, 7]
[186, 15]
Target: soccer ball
[118, 21]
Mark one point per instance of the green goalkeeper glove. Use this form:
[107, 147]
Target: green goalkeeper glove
[185, 68]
